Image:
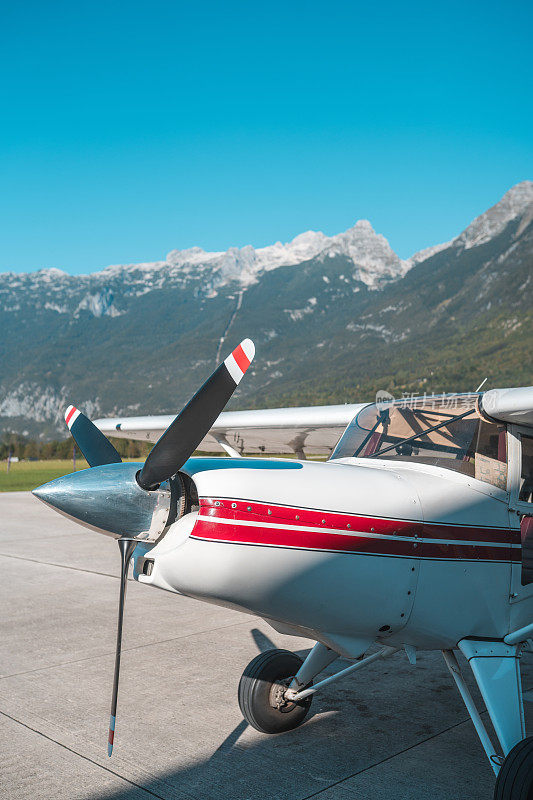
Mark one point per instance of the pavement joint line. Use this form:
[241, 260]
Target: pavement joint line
[62, 566]
[80, 755]
[394, 755]
[40, 538]
[124, 650]
[388, 758]
[307, 797]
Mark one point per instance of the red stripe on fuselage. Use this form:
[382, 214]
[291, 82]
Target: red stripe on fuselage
[247, 510]
[237, 533]
[319, 540]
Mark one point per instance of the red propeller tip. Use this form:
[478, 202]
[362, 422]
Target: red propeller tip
[240, 359]
[71, 415]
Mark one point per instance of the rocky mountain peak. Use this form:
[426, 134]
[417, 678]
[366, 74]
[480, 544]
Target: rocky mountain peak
[488, 225]
[516, 202]
[369, 251]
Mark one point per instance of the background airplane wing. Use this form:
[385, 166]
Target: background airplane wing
[306, 431]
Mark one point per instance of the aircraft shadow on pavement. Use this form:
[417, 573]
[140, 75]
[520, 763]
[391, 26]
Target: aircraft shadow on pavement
[344, 734]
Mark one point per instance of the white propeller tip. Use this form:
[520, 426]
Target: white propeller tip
[240, 359]
[71, 415]
[249, 348]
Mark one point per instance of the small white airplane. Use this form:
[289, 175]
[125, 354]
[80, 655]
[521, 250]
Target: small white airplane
[416, 534]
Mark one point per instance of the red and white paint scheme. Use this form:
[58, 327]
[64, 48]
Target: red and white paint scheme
[415, 534]
[71, 415]
[371, 559]
[240, 359]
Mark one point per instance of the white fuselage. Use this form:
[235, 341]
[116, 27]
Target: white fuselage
[346, 552]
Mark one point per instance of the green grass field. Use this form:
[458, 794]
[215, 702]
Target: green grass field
[23, 476]
[26, 475]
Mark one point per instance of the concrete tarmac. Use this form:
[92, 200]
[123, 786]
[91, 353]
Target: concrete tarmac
[390, 731]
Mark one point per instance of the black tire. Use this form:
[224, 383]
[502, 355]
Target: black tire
[515, 778]
[259, 692]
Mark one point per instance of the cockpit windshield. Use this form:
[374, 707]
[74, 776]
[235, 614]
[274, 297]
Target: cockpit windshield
[445, 431]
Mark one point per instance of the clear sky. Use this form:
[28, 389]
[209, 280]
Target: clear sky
[129, 129]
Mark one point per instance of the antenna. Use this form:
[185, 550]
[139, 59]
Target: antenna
[481, 384]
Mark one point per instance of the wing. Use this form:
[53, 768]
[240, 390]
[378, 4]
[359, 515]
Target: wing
[510, 405]
[312, 430]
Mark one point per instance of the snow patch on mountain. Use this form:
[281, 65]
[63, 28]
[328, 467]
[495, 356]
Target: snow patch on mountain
[297, 314]
[55, 307]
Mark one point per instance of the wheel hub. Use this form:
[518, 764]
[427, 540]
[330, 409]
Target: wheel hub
[277, 695]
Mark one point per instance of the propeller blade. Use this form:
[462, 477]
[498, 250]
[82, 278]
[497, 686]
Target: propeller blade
[127, 546]
[183, 436]
[96, 448]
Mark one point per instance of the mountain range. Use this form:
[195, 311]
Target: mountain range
[334, 319]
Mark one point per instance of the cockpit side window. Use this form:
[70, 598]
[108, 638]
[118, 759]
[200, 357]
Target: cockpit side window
[526, 473]
[525, 506]
[491, 454]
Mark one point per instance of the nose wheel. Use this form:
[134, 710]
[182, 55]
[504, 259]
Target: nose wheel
[262, 688]
[515, 778]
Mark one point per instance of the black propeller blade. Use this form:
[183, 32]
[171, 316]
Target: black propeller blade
[96, 448]
[183, 436]
[127, 546]
[169, 454]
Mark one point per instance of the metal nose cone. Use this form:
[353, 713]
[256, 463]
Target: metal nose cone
[60, 493]
[106, 498]
[72, 495]
[48, 493]
[41, 491]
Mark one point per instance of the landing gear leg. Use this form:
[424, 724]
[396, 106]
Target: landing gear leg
[318, 659]
[496, 668]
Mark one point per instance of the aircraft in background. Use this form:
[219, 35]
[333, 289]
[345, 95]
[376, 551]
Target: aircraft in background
[416, 534]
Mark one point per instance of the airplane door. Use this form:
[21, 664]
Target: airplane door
[520, 443]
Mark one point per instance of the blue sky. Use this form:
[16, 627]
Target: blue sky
[130, 129]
